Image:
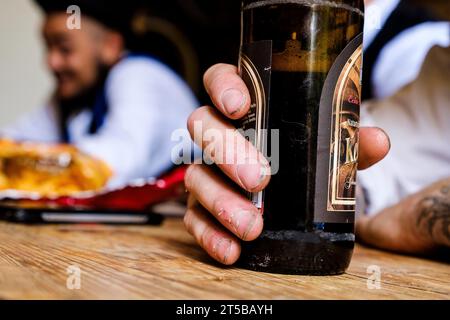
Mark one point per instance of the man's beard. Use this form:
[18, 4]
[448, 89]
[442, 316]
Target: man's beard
[86, 98]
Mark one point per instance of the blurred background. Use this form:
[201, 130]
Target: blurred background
[189, 35]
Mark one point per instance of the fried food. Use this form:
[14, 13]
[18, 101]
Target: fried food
[50, 170]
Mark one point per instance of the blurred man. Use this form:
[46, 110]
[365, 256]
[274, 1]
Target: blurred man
[108, 103]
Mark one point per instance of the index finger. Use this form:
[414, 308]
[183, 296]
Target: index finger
[227, 90]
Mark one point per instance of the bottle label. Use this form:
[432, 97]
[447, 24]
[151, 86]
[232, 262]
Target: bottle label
[256, 72]
[344, 137]
[338, 138]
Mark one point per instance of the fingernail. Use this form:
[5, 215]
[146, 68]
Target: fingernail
[232, 101]
[252, 175]
[227, 251]
[222, 249]
[244, 222]
[216, 247]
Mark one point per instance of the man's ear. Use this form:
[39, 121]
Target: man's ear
[112, 49]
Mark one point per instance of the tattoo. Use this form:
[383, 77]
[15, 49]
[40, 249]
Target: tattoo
[436, 215]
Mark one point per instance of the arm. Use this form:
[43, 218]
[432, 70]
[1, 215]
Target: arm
[419, 224]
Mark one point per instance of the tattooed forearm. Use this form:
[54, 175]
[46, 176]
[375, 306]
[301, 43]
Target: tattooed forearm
[434, 216]
[419, 224]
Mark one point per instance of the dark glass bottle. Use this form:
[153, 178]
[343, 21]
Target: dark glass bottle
[301, 60]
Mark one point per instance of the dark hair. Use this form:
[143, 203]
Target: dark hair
[111, 14]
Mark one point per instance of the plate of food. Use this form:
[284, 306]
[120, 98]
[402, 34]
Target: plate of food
[49, 176]
[42, 170]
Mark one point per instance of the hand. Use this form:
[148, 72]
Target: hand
[218, 215]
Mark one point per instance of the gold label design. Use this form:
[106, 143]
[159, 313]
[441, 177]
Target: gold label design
[255, 118]
[345, 136]
[255, 68]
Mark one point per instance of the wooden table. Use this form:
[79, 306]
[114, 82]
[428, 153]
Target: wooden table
[165, 263]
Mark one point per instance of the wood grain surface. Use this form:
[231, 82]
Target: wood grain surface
[165, 263]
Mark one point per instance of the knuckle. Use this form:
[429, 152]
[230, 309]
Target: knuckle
[203, 236]
[195, 116]
[218, 206]
[188, 221]
[218, 75]
[189, 178]
[211, 72]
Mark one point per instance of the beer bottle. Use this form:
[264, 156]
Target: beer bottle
[301, 60]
